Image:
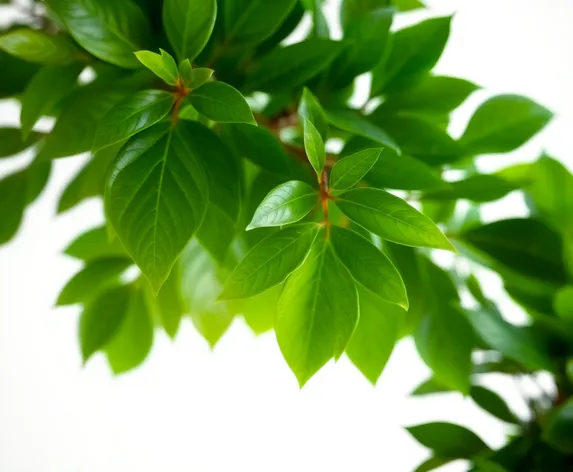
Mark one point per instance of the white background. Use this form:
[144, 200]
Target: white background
[239, 407]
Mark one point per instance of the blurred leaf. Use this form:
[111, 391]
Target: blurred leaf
[558, 431]
[13, 200]
[476, 188]
[563, 303]
[38, 46]
[11, 141]
[430, 386]
[493, 404]
[94, 244]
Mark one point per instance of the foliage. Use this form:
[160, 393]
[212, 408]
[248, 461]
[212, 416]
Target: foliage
[210, 142]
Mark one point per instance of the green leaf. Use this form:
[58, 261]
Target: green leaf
[415, 51]
[200, 76]
[550, 185]
[16, 74]
[217, 232]
[311, 109]
[493, 404]
[212, 326]
[48, 87]
[350, 170]
[132, 341]
[503, 123]
[432, 463]
[449, 440]
[314, 146]
[188, 25]
[408, 5]
[260, 311]
[162, 65]
[391, 218]
[352, 122]
[317, 312]
[524, 245]
[433, 95]
[169, 303]
[260, 146]
[563, 303]
[94, 244]
[186, 72]
[369, 266]
[102, 319]
[222, 103]
[420, 138]
[270, 262]
[252, 21]
[289, 67]
[132, 115]
[559, 427]
[11, 141]
[97, 276]
[513, 342]
[37, 46]
[155, 178]
[375, 336]
[13, 200]
[476, 188]
[402, 173]
[110, 30]
[430, 386]
[288, 203]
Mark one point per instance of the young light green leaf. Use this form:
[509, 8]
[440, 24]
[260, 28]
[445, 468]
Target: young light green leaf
[110, 30]
[162, 65]
[352, 122]
[131, 116]
[350, 170]
[220, 102]
[449, 440]
[271, 261]
[212, 325]
[291, 66]
[311, 109]
[169, 302]
[493, 404]
[95, 244]
[188, 24]
[375, 336]
[563, 303]
[186, 71]
[317, 312]
[200, 76]
[368, 265]
[288, 203]
[503, 123]
[252, 21]
[13, 143]
[132, 341]
[154, 178]
[48, 87]
[37, 46]
[314, 146]
[13, 200]
[391, 218]
[259, 311]
[93, 279]
[430, 386]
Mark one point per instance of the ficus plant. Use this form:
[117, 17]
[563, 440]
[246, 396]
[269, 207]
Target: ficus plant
[240, 178]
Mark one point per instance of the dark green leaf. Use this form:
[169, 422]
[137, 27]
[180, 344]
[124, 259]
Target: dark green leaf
[375, 336]
[110, 30]
[493, 404]
[317, 312]
[352, 122]
[369, 266]
[558, 431]
[512, 341]
[11, 141]
[37, 46]
[13, 200]
[102, 319]
[93, 279]
[132, 341]
[415, 51]
[188, 24]
[221, 102]
[162, 65]
[476, 188]
[350, 170]
[48, 87]
[449, 440]
[391, 218]
[503, 123]
[432, 463]
[314, 146]
[252, 21]
[16, 74]
[524, 245]
[270, 262]
[311, 109]
[288, 203]
[155, 178]
[132, 115]
[291, 66]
